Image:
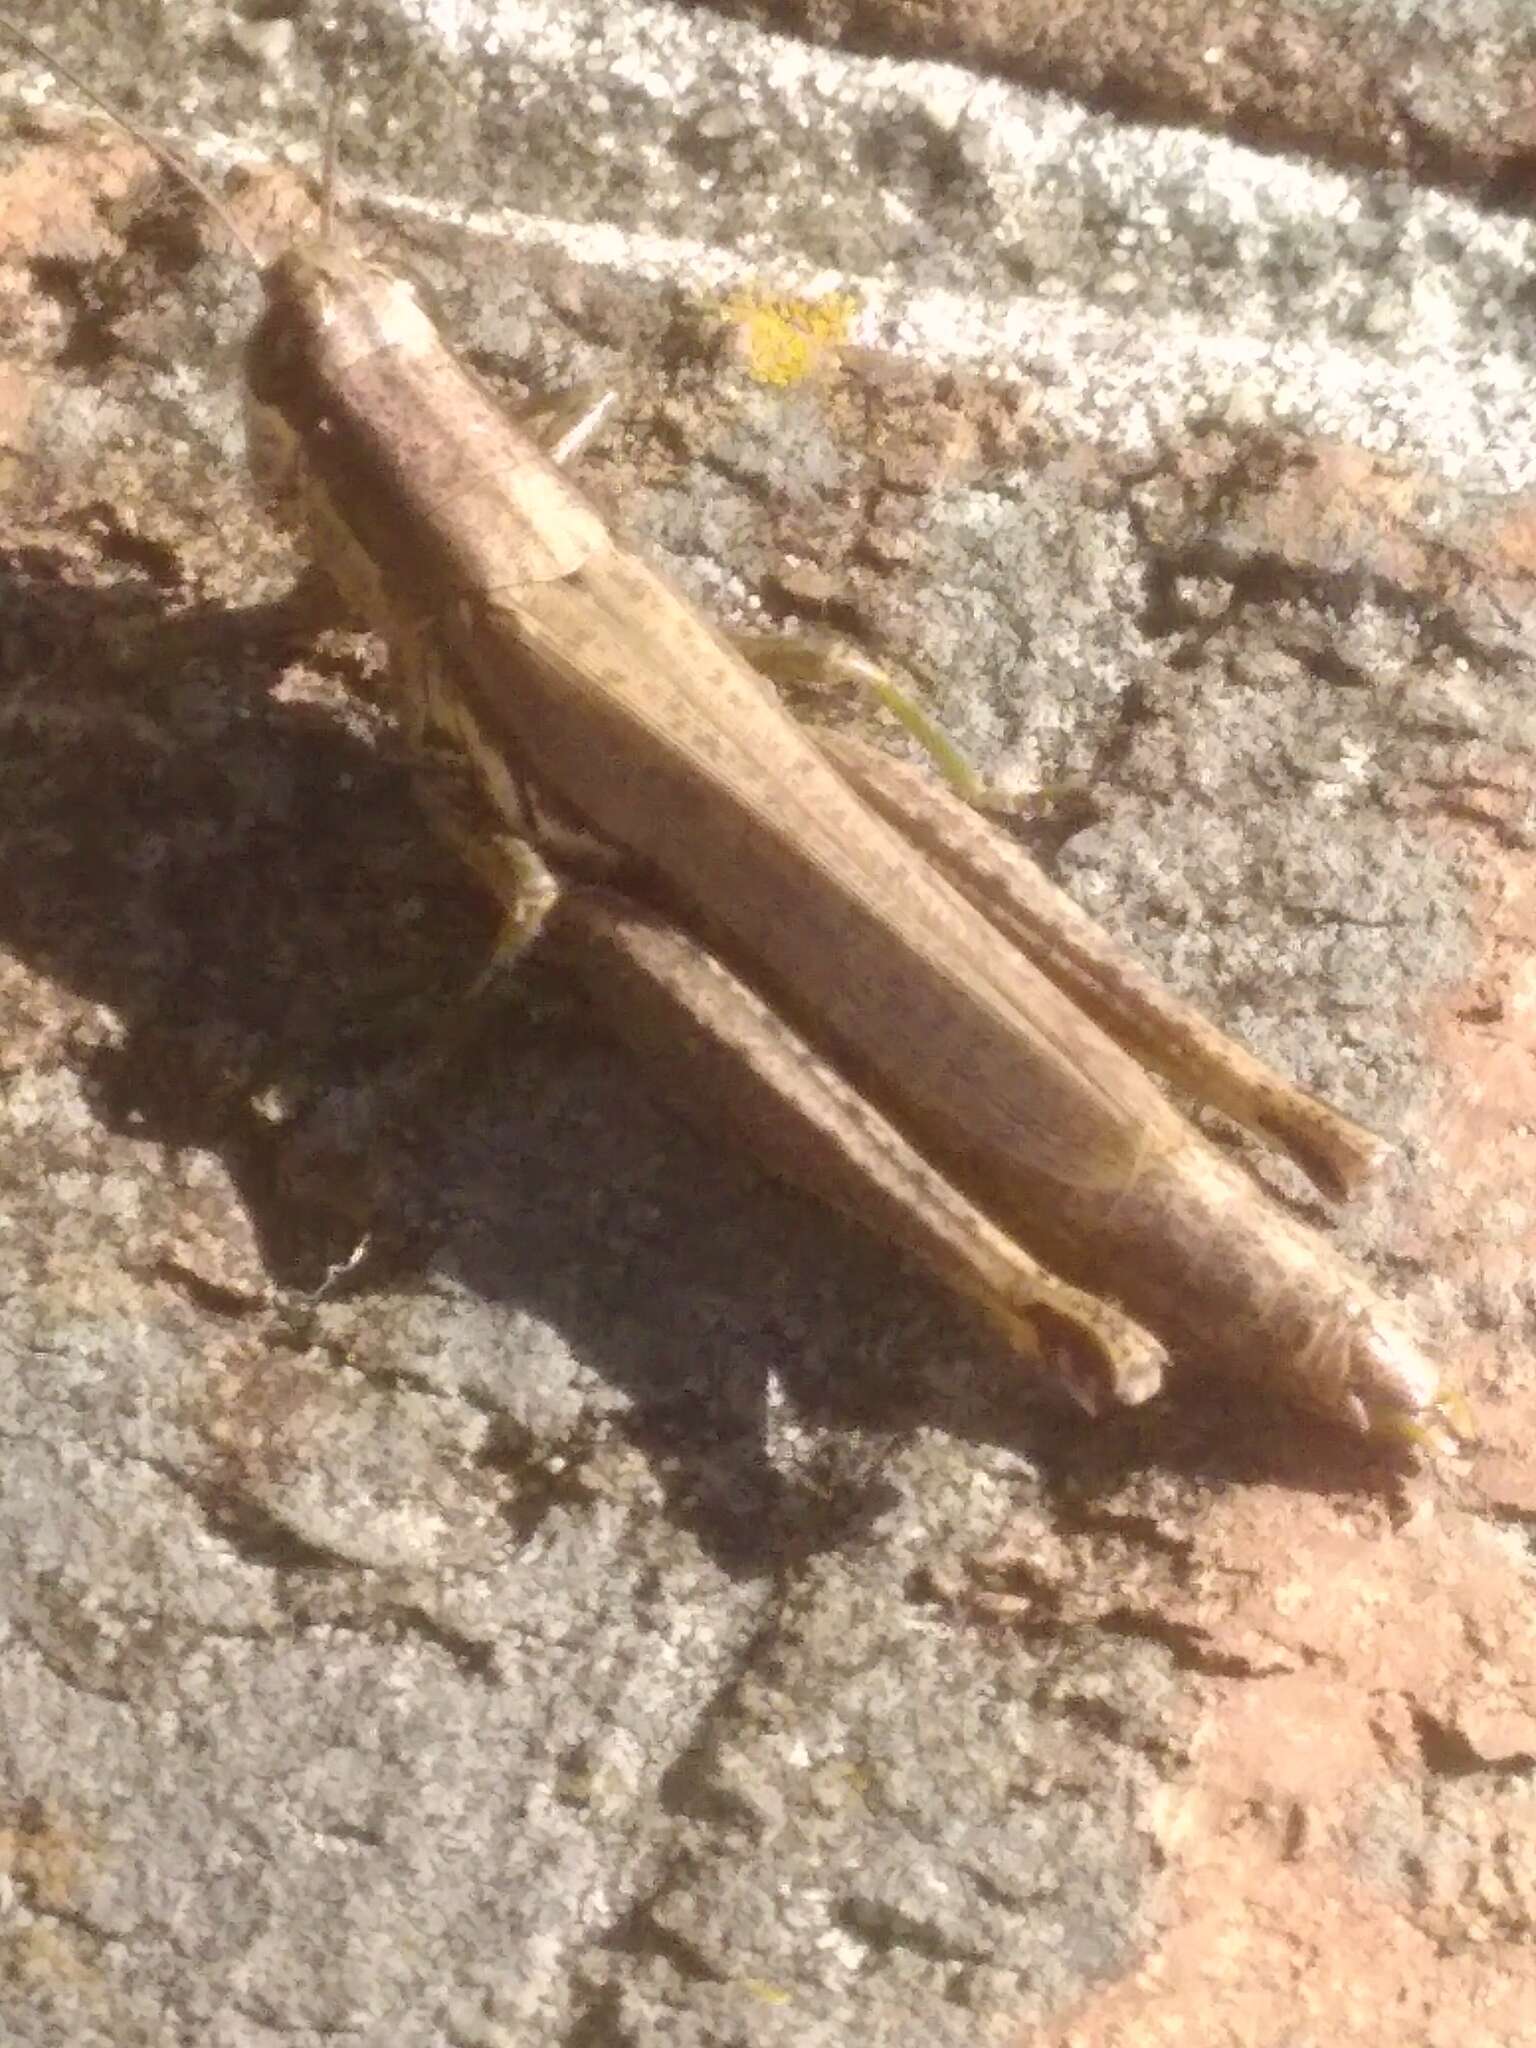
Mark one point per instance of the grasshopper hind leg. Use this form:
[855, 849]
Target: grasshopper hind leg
[1165, 1034]
[726, 1058]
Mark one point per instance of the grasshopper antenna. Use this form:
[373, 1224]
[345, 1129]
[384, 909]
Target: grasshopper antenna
[330, 159]
[330, 149]
[167, 158]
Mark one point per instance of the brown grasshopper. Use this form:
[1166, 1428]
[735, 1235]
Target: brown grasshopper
[837, 960]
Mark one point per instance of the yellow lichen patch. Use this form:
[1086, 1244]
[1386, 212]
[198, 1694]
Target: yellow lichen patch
[785, 338]
[47, 1961]
[769, 1994]
[44, 1856]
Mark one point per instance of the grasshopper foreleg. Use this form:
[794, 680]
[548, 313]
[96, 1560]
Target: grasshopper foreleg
[515, 873]
[333, 1144]
[566, 424]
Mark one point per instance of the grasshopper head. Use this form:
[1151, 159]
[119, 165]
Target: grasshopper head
[326, 308]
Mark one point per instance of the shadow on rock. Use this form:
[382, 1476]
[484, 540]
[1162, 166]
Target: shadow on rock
[243, 880]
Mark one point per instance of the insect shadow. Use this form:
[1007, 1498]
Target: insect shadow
[242, 878]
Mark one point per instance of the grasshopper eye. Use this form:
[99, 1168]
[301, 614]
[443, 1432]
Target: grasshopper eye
[273, 357]
[424, 293]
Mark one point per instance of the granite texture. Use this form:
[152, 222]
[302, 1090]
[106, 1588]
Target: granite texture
[640, 1612]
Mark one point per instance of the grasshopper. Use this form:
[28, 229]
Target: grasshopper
[835, 958]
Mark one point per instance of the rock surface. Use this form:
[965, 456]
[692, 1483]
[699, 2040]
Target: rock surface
[640, 1613]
